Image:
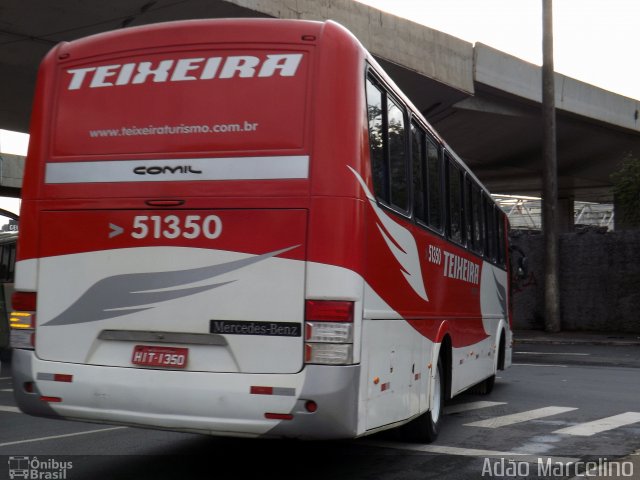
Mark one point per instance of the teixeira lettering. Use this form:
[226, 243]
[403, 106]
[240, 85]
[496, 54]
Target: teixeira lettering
[461, 268]
[184, 69]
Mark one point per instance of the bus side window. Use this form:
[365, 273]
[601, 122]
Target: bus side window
[454, 187]
[399, 175]
[501, 257]
[419, 174]
[5, 262]
[434, 182]
[477, 243]
[377, 140]
[490, 226]
[388, 147]
[468, 212]
[12, 261]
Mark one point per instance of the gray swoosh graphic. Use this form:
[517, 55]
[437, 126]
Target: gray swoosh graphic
[118, 295]
[502, 295]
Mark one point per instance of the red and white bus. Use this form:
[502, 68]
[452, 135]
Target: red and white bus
[244, 228]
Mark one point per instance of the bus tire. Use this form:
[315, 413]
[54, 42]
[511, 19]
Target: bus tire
[425, 428]
[485, 387]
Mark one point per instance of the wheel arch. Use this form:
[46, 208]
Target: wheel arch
[445, 353]
[501, 345]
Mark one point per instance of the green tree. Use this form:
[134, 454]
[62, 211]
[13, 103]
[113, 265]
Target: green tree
[626, 190]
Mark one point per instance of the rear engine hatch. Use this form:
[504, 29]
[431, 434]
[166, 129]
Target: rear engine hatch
[199, 290]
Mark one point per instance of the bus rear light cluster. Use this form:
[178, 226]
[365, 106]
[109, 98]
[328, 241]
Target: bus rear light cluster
[328, 353]
[329, 332]
[329, 311]
[22, 320]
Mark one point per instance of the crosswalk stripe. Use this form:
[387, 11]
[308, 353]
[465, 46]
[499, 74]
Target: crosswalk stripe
[496, 422]
[552, 365]
[8, 409]
[465, 407]
[609, 423]
[468, 452]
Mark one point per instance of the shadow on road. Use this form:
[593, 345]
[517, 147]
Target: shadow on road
[209, 457]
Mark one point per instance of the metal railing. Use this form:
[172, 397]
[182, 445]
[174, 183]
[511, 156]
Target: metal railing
[526, 212]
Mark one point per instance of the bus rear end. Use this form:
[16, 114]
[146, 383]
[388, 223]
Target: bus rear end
[162, 274]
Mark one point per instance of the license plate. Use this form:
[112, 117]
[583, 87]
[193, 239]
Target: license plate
[165, 357]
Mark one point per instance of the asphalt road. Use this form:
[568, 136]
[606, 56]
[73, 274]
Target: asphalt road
[557, 404]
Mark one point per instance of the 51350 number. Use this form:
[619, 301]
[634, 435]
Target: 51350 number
[172, 226]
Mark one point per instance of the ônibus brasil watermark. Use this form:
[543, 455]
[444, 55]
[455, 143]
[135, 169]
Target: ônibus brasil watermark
[34, 468]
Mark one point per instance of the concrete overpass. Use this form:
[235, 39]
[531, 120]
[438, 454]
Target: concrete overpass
[11, 172]
[483, 101]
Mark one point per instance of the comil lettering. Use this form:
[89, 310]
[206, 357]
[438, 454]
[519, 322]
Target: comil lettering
[185, 69]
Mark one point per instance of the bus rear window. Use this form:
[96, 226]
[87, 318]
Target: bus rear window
[183, 101]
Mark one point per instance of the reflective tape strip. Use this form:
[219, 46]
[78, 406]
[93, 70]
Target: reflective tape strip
[283, 391]
[179, 170]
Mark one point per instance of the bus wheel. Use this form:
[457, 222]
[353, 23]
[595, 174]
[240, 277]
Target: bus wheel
[485, 387]
[425, 428]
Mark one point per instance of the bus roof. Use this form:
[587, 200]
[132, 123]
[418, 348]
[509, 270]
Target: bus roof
[191, 32]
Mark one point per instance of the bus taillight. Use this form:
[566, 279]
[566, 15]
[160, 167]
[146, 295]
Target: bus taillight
[22, 320]
[329, 332]
[328, 311]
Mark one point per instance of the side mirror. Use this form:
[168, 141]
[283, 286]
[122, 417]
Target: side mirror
[523, 268]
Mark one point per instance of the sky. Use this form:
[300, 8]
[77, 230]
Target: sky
[595, 41]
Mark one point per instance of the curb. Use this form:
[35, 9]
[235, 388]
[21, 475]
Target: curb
[541, 338]
[551, 341]
[632, 462]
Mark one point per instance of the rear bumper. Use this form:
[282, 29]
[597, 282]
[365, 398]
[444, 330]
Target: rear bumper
[202, 402]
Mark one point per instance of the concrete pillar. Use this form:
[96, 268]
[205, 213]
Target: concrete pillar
[566, 214]
[11, 171]
[621, 219]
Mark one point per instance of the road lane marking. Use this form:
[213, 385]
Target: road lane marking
[468, 452]
[465, 407]
[7, 408]
[602, 425]
[5, 378]
[502, 421]
[55, 437]
[6, 390]
[556, 353]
